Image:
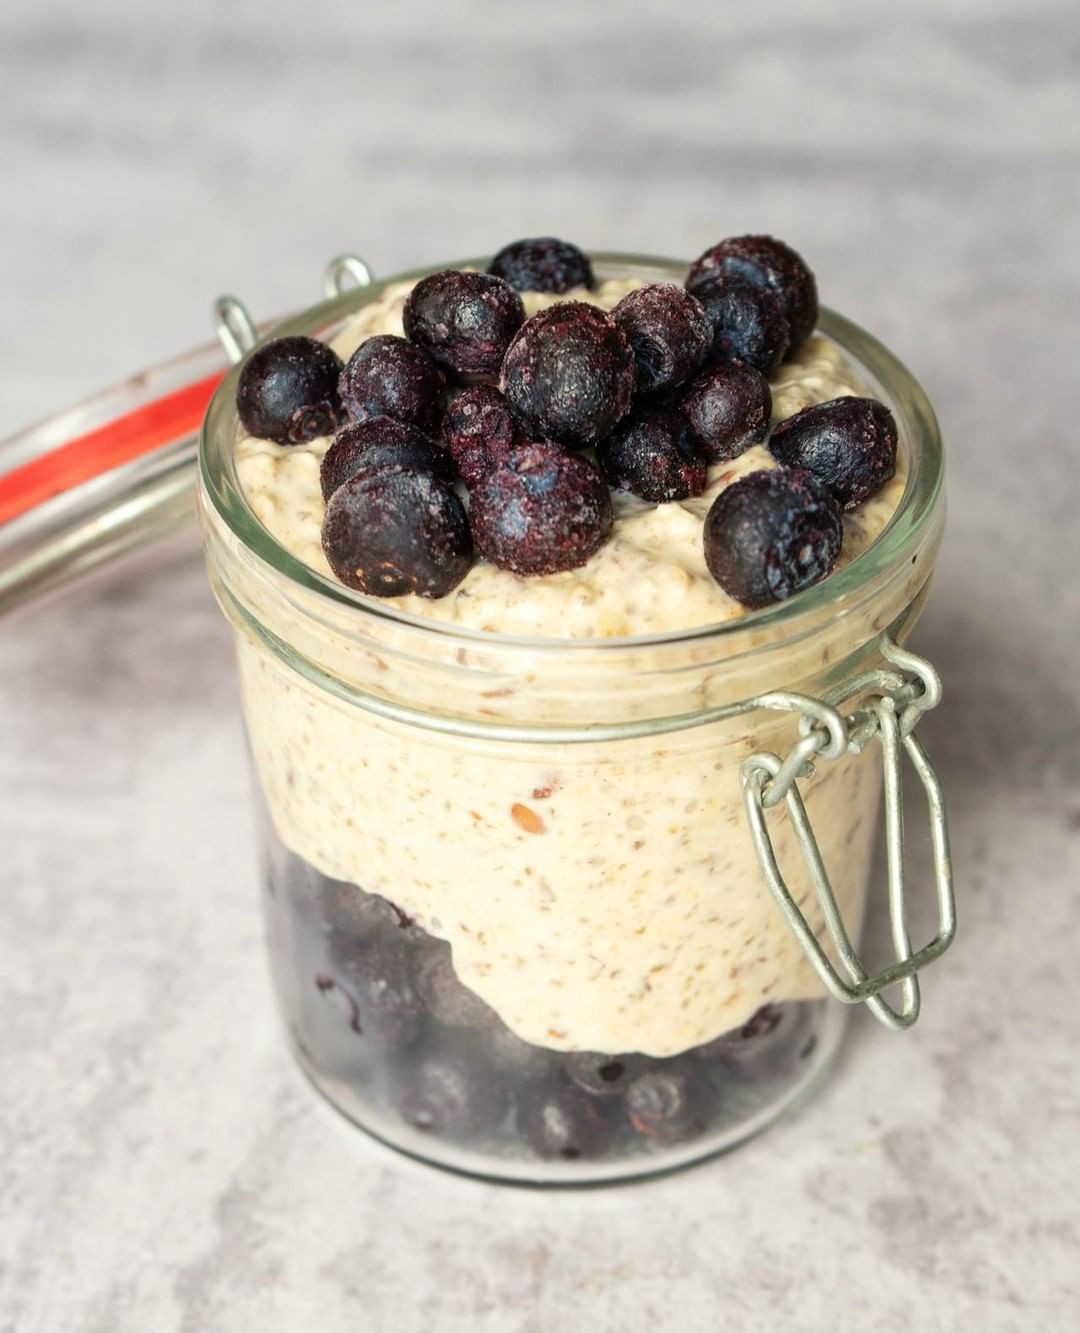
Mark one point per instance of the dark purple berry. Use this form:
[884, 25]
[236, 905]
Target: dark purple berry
[444, 995]
[542, 264]
[666, 1104]
[367, 445]
[569, 374]
[771, 534]
[669, 332]
[356, 916]
[453, 1097]
[391, 377]
[727, 406]
[652, 454]
[478, 430]
[848, 443]
[521, 1061]
[541, 511]
[561, 1122]
[769, 263]
[603, 1075]
[463, 320]
[377, 979]
[748, 321]
[288, 391]
[742, 1041]
[391, 532]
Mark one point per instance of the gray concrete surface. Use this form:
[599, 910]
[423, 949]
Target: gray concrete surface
[163, 1168]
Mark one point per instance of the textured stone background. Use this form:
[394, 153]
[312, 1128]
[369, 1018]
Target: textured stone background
[162, 1166]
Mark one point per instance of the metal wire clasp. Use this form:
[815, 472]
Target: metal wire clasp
[891, 703]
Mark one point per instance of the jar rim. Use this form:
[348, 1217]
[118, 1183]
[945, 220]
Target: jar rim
[907, 527]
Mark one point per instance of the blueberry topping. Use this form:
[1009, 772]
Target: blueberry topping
[541, 511]
[602, 1075]
[390, 377]
[463, 320]
[665, 1104]
[288, 391]
[727, 406]
[390, 532]
[542, 264]
[479, 429]
[771, 534]
[444, 995]
[561, 1122]
[768, 263]
[569, 374]
[367, 445]
[652, 454]
[669, 332]
[848, 443]
[452, 1096]
[748, 321]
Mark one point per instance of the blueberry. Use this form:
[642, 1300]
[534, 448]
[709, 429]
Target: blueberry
[358, 918]
[541, 511]
[446, 998]
[391, 377]
[652, 454]
[376, 978]
[748, 321]
[463, 320]
[742, 1041]
[367, 445]
[569, 374]
[768, 263]
[771, 534]
[669, 332]
[452, 1096]
[390, 532]
[848, 443]
[288, 391]
[542, 264]
[561, 1122]
[666, 1104]
[478, 429]
[727, 406]
[521, 1061]
[603, 1075]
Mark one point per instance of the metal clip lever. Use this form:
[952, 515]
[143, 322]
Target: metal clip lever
[897, 699]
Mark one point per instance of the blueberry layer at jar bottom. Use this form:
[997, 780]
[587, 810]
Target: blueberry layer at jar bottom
[384, 1029]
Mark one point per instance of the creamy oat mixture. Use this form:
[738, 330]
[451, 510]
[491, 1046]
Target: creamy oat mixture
[599, 897]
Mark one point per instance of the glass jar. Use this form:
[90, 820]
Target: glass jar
[562, 911]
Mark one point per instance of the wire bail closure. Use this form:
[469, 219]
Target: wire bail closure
[892, 701]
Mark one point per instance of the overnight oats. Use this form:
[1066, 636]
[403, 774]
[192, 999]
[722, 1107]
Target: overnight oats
[526, 559]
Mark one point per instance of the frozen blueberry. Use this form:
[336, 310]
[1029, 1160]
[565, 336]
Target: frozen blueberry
[541, 511]
[569, 374]
[542, 264]
[652, 454]
[561, 1121]
[366, 445]
[768, 263]
[603, 1075]
[377, 979]
[288, 391]
[742, 1041]
[478, 429]
[446, 998]
[771, 534]
[748, 321]
[727, 406]
[391, 377]
[390, 532]
[520, 1060]
[848, 443]
[666, 1104]
[464, 320]
[358, 918]
[452, 1096]
[669, 332]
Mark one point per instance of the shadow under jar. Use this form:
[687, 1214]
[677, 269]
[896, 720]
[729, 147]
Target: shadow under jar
[517, 920]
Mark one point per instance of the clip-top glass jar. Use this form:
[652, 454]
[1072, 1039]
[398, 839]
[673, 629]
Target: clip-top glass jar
[531, 912]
